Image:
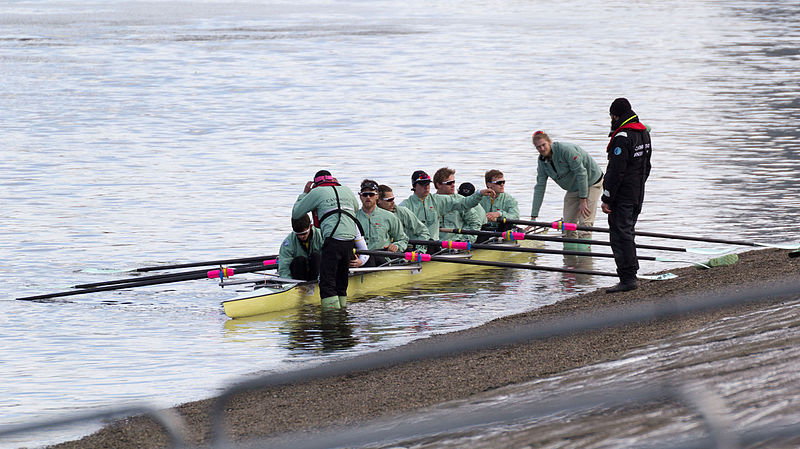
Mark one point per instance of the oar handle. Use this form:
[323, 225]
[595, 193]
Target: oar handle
[241, 260]
[450, 244]
[565, 226]
[558, 225]
[268, 264]
[189, 276]
[511, 236]
[486, 263]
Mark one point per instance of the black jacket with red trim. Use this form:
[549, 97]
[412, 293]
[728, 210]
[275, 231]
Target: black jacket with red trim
[629, 152]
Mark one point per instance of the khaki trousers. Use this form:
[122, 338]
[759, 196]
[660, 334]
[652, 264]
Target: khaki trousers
[572, 213]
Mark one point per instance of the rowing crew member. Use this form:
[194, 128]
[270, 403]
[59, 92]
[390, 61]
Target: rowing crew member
[574, 170]
[382, 229]
[428, 207]
[499, 205]
[334, 207]
[444, 180]
[299, 255]
[413, 228]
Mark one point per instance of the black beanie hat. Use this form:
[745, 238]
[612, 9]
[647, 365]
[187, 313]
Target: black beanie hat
[466, 189]
[621, 107]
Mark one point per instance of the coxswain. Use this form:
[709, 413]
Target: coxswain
[299, 255]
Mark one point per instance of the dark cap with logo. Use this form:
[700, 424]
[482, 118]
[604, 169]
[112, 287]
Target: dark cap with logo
[466, 189]
[420, 176]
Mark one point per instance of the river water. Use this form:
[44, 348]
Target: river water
[137, 133]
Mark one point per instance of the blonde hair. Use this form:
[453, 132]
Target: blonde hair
[539, 135]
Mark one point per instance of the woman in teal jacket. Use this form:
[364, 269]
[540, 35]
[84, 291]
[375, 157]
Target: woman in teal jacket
[574, 170]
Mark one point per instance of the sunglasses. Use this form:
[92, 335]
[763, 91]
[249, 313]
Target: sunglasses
[368, 194]
[448, 183]
[499, 183]
[390, 199]
[304, 232]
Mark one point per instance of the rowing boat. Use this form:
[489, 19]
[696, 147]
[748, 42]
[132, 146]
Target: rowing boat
[275, 297]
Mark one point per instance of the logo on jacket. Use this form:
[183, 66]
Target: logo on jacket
[617, 151]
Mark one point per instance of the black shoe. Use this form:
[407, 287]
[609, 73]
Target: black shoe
[623, 287]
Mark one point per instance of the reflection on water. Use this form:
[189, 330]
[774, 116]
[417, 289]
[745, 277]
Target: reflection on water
[410, 312]
[325, 330]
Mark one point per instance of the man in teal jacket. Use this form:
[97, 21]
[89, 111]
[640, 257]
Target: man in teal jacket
[502, 205]
[299, 255]
[382, 228]
[444, 180]
[574, 170]
[333, 207]
[429, 207]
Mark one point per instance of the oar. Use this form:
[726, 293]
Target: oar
[268, 264]
[422, 257]
[213, 274]
[729, 259]
[560, 225]
[511, 236]
[207, 263]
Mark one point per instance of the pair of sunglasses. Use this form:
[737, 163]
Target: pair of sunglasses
[499, 183]
[368, 194]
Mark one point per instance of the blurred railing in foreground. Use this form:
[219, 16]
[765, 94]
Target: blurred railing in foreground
[721, 432]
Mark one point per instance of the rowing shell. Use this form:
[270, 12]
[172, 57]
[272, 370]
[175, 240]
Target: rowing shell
[364, 282]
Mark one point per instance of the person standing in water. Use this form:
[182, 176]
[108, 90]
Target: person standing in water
[333, 207]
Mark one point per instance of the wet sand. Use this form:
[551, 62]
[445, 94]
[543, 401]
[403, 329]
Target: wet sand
[401, 388]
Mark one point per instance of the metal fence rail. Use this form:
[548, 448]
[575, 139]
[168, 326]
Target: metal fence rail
[172, 423]
[721, 433]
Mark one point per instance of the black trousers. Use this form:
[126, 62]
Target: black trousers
[305, 268]
[334, 267]
[622, 224]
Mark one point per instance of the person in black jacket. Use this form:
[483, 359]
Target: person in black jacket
[629, 153]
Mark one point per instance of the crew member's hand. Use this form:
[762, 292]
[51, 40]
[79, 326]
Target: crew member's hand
[583, 207]
[606, 208]
[308, 186]
[489, 192]
[492, 216]
[355, 263]
[391, 247]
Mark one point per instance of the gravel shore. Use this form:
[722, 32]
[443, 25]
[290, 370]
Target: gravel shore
[400, 388]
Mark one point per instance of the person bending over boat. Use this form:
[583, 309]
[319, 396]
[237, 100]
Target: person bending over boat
[382, 229]
[413, 228]
[444, 180]
[299, 255]
[628, 168]
[333, 207]
[501, 205]
[575, 171]
[429, 207]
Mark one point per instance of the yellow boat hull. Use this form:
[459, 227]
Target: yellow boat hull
[366, 282]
